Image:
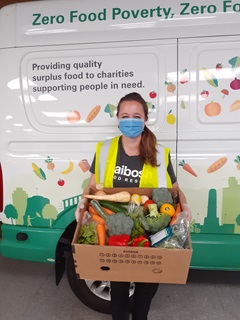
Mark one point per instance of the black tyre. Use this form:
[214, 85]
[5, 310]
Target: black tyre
[94, 294]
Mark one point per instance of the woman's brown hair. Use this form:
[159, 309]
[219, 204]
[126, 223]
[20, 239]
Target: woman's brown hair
[147, 148]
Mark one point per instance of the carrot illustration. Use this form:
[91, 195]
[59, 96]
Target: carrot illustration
[93, 113]
[237, 160]
[187, 168]
[217, 165]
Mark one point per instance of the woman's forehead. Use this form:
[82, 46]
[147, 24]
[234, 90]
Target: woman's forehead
[131, 106]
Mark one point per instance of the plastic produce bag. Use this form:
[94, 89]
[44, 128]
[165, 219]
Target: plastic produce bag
[180, 234]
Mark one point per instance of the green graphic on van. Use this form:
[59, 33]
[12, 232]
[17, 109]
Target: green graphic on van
[38, 211]
[35, 211]
[234, 62]
[110, 109]
[230, 219]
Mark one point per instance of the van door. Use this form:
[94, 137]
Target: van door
[209, 147]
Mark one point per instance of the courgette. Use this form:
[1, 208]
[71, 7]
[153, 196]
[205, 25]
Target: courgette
[115, 207]
[97, 206]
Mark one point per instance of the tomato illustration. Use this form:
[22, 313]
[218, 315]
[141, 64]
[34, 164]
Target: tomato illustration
[152, 94]
[219, 66]
[204, 94]
[61, 182]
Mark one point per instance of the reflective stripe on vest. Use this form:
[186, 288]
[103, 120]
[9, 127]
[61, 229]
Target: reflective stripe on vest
[152, 177]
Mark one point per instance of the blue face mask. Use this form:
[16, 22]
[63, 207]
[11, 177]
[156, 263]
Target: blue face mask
[131, 127]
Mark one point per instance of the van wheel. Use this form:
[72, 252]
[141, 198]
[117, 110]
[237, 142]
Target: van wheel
[94, 294]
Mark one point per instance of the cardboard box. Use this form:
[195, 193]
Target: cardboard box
[132, 264]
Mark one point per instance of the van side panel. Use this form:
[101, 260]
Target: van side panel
[209, 131]
[64, 69]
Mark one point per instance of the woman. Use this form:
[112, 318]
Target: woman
[133, 159]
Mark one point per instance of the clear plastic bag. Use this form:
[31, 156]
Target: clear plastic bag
[180, 234]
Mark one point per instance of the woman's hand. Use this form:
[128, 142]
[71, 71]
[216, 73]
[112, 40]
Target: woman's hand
[186, 208]
[82, 203]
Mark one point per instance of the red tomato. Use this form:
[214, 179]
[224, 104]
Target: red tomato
[146, 203]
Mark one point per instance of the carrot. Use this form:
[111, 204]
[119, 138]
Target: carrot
[101, 232]
[92, 210]
[217, 164]
[98, 219]
[178, 209]
[93, 113]
[108, 211]
[187, 168]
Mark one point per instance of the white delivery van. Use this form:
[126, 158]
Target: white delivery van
[63, 68]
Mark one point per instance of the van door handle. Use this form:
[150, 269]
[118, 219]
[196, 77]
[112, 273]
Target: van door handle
[21, 236]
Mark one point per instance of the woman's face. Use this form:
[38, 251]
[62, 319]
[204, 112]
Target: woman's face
[131, 109]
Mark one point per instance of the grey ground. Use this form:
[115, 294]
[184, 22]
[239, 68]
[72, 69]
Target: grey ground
[28, 292]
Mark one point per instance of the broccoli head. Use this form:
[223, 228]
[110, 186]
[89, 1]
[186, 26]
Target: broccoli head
[136, 216]
[153, 224]
[153, 210]
[161, 196]
[119, 223]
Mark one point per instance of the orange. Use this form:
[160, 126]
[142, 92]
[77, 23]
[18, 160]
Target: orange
[167, 208]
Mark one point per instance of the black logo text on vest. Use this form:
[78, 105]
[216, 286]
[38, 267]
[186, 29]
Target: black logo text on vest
[123, 173]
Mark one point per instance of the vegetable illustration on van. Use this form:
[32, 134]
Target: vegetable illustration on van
[63, 70]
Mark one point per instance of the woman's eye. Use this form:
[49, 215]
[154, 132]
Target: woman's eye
[137, 117]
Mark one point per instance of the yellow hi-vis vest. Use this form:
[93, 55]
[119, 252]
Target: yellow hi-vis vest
[152, 177]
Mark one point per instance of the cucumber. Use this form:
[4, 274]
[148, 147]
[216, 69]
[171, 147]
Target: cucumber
[115, 207]
[97, 206]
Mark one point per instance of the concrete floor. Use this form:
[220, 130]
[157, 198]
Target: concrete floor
[28, 292]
